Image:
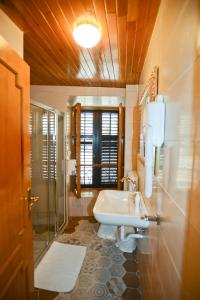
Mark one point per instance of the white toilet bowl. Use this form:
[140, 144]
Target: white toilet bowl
[107, 231]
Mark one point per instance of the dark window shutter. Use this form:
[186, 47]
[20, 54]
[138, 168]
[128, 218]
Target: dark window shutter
[99, 146]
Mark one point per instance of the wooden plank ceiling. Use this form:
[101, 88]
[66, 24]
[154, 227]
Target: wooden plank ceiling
[54, 57]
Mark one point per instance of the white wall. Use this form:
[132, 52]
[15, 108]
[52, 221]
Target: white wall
[174, 48]
[59, 96]
[12, 34]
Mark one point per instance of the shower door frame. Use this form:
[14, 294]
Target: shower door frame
[58, 113]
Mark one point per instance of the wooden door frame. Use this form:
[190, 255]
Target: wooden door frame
[76, 145]
[120, 162]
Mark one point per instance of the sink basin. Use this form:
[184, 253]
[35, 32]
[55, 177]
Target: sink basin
[120, 208]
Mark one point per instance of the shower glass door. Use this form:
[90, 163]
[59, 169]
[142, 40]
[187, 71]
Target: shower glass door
[39, 177]
[48, 176]
[60, 171]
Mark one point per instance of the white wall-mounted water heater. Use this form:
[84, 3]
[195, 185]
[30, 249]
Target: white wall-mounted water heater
[155, 126]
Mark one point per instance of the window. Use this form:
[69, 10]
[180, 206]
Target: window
[48, 145]
[43, 134]
[86, 148]
[44, 145]
[99, 148]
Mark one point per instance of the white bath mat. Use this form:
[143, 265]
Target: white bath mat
[59, 268]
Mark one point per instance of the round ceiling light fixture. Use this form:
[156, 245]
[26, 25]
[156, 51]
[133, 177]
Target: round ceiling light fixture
[87, 35]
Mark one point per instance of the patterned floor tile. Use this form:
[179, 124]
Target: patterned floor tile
[85, 280]
[102, 275]
[105, 251]
[130, 266]
[96, 246]
[132, 294]
[117, 270]
[93, 255]
[99, 291]
[80, 294]
[118, 258]
[131, 280]
[107, 243]
[116, 286]
[89, 267]
[103, 269]
[105, 261]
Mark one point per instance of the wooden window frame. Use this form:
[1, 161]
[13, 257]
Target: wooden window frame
[76, 142]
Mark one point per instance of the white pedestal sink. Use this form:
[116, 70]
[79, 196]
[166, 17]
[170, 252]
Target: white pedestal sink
[120, 208]
[123, 210]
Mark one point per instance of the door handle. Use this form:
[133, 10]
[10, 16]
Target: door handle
[31, 199]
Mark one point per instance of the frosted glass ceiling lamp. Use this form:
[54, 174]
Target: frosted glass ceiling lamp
[87, 35]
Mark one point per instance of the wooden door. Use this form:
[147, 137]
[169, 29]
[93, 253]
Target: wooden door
[16, 267]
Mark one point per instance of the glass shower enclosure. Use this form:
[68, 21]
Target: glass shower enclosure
[47, 129]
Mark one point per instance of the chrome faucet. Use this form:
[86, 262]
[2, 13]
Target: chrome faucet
[128, 179]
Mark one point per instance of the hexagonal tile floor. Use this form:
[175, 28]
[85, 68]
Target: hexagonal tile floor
[103, 272]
